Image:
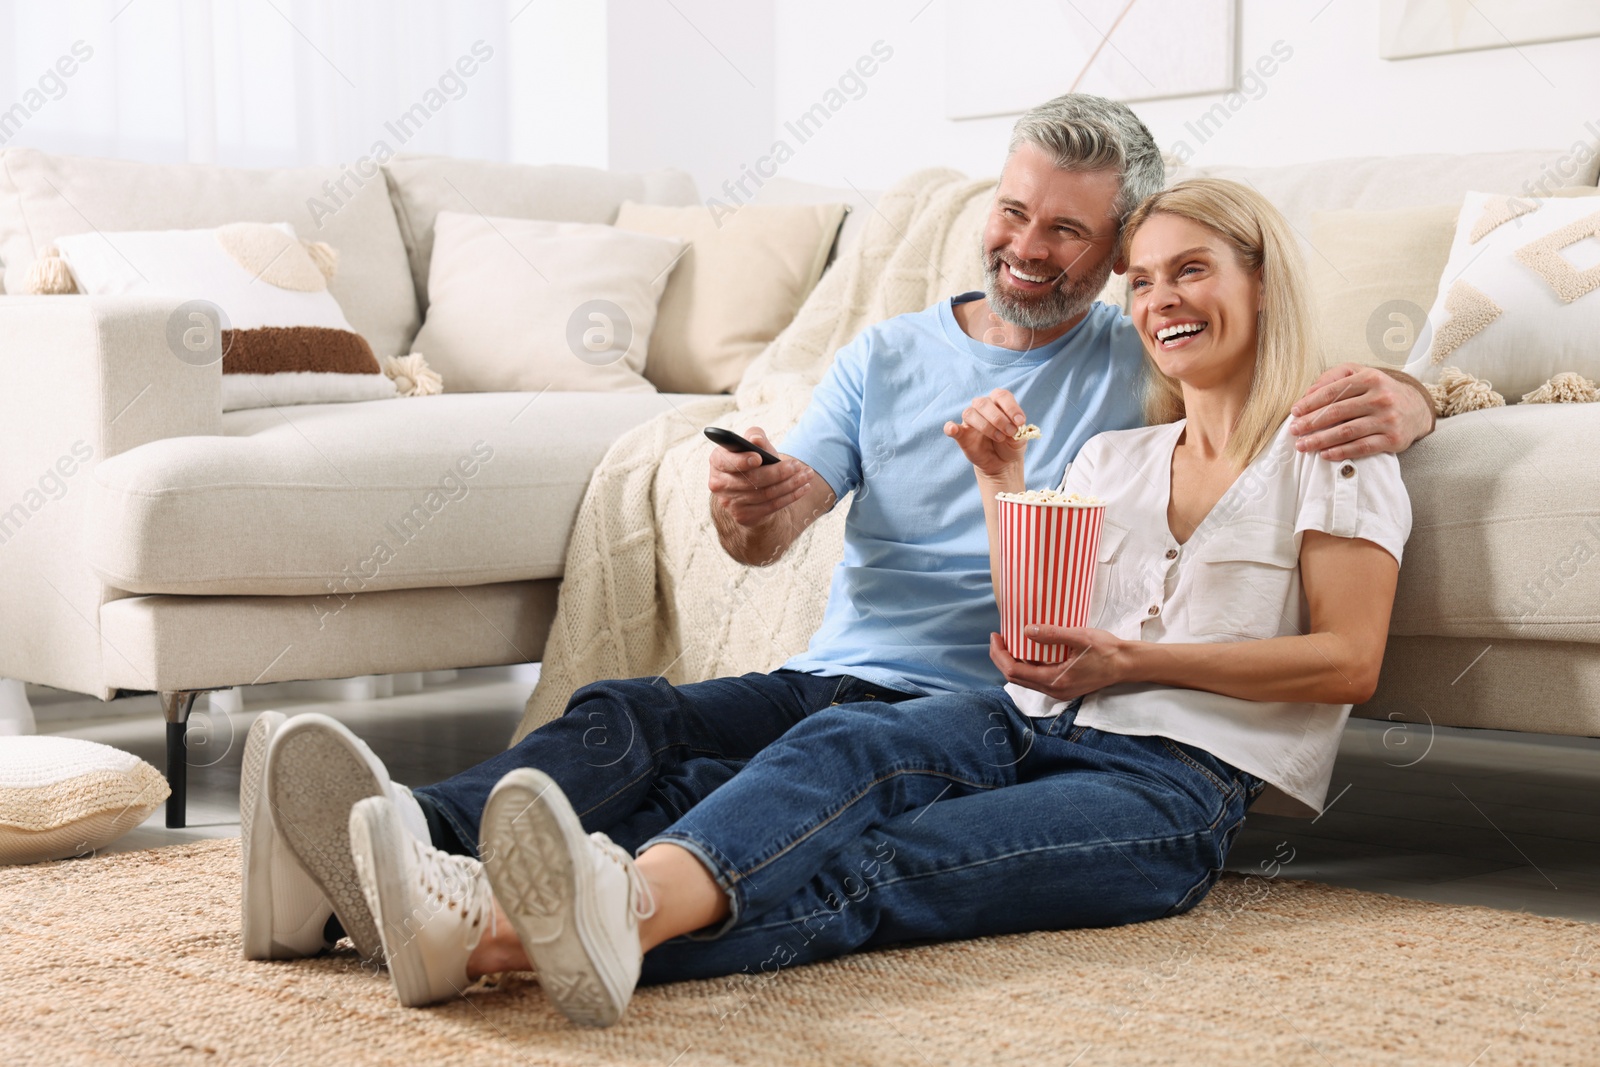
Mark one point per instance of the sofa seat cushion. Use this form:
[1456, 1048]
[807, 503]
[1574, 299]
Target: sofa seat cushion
[339, 499]
[1505, 539]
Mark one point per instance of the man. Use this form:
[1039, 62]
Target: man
[911, 605]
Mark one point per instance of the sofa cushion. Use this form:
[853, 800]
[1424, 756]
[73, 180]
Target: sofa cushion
[1505, 537]
[1374, 275]
[44, 196]
[522, 305]
[1516, 305]
[1378, 183]
[1373, 278]
[339, 499]
[423, 186]
[737, 285]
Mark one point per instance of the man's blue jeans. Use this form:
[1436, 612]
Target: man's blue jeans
[948, 817]
[634, 756]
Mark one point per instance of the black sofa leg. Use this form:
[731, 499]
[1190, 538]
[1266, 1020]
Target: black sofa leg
[175, 707]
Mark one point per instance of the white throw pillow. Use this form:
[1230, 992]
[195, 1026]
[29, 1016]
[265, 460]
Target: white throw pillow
[1519, 300]
[516, 305]
[61, 797]
[285, 338]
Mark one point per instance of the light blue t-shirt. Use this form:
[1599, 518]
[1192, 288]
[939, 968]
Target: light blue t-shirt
[911, 605]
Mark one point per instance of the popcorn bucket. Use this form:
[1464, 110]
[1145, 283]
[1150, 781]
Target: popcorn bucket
[1048, 545]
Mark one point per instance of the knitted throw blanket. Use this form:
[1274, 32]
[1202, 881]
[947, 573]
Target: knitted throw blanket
[648, 590]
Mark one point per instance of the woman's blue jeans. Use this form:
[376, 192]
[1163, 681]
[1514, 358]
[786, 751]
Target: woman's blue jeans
[948, 817]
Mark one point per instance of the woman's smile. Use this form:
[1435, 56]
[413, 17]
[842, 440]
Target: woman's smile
[1179, 333]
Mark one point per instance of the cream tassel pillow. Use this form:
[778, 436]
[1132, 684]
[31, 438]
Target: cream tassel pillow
[412, 376]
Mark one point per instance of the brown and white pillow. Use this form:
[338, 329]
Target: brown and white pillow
[281, 335]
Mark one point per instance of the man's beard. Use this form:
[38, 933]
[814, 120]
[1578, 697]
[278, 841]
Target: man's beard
[1069, 298]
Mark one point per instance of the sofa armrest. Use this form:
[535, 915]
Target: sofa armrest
[100, 369]
[84, 378]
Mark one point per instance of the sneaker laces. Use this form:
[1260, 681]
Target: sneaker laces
[454, 880]
[640, 896]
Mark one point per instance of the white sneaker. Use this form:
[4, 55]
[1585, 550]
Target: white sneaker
[431, 907]
[285, 911]
[316, 771]
[575, 900]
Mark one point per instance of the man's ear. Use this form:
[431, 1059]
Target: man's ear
[1119, 266]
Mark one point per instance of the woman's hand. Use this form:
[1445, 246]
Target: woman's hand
[1098, 659]
[987, 433]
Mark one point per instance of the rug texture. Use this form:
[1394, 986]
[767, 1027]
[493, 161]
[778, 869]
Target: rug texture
[134, 959]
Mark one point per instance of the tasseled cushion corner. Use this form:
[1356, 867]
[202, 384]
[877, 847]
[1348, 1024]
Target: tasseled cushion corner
[50, 275]
[1457, 391]
[412, 376]
[1568, 387]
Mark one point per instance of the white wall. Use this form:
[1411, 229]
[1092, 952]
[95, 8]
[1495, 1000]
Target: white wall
[558, 82]
[1333, 97]
[690, 85]
[711, 86]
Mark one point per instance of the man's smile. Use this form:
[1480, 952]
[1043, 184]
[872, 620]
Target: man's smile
[1030, 281]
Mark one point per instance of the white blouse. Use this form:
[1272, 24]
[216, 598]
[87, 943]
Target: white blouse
[1236, 578]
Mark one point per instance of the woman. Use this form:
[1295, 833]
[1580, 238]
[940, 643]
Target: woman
[1242, 593]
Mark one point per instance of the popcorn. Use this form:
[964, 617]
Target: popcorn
[1052, 498]
[1029, 432]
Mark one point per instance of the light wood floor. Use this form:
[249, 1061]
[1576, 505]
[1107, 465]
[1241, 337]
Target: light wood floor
[1484, 817]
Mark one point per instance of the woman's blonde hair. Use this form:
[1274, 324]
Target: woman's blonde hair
[1287, 360]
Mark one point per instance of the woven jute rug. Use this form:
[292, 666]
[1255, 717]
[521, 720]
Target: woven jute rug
[134, 959]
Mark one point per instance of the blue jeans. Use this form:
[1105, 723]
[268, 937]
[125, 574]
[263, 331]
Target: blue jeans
[948, 817]
[634, 756]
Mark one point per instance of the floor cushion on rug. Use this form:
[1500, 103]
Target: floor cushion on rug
[61, 797]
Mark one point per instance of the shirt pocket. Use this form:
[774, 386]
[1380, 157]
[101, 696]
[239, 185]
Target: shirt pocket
[1111, 538]
[1113, 589]
[1242, 579]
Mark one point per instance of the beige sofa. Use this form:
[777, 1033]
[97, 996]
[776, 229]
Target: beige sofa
[149, 541]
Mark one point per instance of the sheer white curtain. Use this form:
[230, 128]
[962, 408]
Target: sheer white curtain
[257, 82]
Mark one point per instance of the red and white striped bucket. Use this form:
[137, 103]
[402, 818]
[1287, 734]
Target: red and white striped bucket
[1047, 558]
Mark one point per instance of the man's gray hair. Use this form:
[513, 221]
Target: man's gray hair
[1083, 132]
